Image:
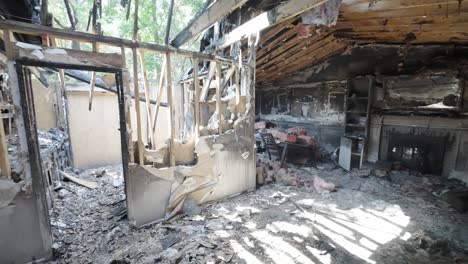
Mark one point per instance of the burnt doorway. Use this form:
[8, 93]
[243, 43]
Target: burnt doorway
[26, 101]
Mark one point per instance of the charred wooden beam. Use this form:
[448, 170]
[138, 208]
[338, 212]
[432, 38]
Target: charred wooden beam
[266, 19]
[169, 21]
[206, 18]
[32, 29]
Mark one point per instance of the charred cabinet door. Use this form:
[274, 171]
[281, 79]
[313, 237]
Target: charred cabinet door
[345, 153]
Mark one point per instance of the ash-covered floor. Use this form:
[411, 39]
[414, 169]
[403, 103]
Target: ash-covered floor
[374, 217]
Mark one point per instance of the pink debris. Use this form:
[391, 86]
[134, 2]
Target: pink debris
[321, 185]
[282, 136]
[303, 31]
[260, 125]
[264, 125]
[291, 138]
[296, 131]
[306, 140]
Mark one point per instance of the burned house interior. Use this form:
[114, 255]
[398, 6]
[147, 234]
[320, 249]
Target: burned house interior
[234, 131]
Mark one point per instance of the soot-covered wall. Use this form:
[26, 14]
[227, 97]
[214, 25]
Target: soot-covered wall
[425, 81]
[318, 107]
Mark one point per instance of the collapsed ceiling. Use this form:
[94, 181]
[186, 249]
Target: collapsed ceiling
[284, 49]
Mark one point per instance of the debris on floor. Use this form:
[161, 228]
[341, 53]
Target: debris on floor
[53, 145]
[294, 217]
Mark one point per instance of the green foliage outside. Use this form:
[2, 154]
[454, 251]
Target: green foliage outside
[152, 26]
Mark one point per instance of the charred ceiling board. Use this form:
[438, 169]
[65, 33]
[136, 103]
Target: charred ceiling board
[287, 45]
[278, 57]
[398, 21]
[203, 20]
[396, 37]
[275, 31]
[304, 57]
[365, 6]
[361, 22]
[308, 60]
[445, 8]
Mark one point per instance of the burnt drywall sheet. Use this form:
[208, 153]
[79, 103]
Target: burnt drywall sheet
[20, 232]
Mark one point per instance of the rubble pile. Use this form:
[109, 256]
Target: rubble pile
[53, 144]
[292, 175]
[293, 219]
[89, 226]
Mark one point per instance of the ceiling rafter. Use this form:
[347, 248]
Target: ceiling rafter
[362, 21]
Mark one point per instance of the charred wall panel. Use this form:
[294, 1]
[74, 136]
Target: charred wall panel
[380, 60]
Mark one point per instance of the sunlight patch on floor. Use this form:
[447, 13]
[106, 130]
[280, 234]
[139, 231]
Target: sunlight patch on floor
[243, 253]
[350, 246]
[323, 258]
[281, 226]
[279, 250]
[359, 231]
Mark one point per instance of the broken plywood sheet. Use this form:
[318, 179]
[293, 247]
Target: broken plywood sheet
[148, 190]
[183, 153]
[8, 191]
[85, 183]
[225, 166]
[200, 177]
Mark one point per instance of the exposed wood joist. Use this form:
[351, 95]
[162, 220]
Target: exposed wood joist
[196, 87]
[162, 78]
[285, 49]
[5, 169]
[447, 8]
[363, 21]
[136, 89]
[149, 114]
[274, 31]
[303, 58]
[218, 97]
[169, 22]
[93, 81]
[306, 60]
[170, 104]
[206, 84]
[299, 49]
[440, 37]
[32, 29]
[401, 21]
[369, 6]
[206, 18]
[278, 14]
